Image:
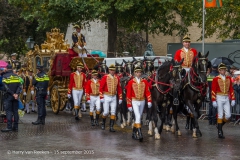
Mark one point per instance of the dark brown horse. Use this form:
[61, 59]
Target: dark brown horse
[159, 92]
[195, 89]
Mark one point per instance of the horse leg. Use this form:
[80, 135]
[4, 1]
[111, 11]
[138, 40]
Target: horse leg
[190, 105]
[157, 133]
[198, 132]
[175, 111]
[150, 128]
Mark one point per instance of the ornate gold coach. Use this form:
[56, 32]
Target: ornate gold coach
[58, 61]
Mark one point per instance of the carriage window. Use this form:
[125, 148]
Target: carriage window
[46, 62]
[38, 61]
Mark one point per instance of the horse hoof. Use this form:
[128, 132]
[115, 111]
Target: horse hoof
[172, 129]
[164, 127]
[167, 128]
[122, 126]
[179, 133]
[150, 132]
[194, 135]
[128, 123]
[80, 115]
[157, 136]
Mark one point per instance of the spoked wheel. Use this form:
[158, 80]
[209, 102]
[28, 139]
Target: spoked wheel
[55, 99]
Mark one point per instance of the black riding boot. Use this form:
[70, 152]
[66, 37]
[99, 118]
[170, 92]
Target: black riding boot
[220, 132]
[134, 134]
[96, 120]
[37, 122]
[76, 114]
[92, 120]
[140, 136]
[111, 125]
[187, 122]
[43, 120]
[103, 123]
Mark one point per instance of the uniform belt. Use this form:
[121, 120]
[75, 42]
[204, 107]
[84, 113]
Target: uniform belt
[39, 89]
[94, 94]
[138, 99]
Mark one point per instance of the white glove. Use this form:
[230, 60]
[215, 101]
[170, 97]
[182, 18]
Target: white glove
[130, 109]
[84, 47]
[149, 104]
[48, 93]
[233, 103]
[88, 101]
[214, 103]
[79, 47]
[120, 101]
[102, 100]
[69, 95]
[24, 93]
[32, 92]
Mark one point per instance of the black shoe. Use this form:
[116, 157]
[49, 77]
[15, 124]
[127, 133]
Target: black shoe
[34, 111]
[103, 123]
[15, 129]
[37, 122]
[6, 130]
[111, 125]
[83, 110]
[77, 118]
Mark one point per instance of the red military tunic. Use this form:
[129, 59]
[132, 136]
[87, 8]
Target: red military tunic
[77, 81]
[222, 87]
[188, 56]
[110, 85]
[92, 88]
[137, 91]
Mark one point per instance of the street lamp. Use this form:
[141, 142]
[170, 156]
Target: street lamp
[30, 43]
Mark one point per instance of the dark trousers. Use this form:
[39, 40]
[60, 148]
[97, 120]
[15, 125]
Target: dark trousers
[11, 108]
[40, 98]
[212, 114]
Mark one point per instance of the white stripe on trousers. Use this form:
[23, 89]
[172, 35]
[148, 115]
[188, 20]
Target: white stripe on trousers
[112, 101]
[94, 101]
[77, 96]
[138, 107]
[223, 107]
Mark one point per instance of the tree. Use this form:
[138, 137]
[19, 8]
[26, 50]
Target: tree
[155, 16]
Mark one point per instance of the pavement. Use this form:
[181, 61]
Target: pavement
[62, 137]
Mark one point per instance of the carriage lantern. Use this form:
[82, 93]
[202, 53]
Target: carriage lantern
[30, 43]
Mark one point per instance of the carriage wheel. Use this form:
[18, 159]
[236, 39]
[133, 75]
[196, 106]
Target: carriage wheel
[55, 99]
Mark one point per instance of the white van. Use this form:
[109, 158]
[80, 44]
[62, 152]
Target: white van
[157, 62]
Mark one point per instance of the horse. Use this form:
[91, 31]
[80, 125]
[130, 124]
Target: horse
[159, 92]
[195, 89]
[102, 69]
[176, 80]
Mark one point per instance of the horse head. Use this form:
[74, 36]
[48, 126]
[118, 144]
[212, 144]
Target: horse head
[128, 67]
[119, 68]
[200, 66]
[176, 74]
[148, 65]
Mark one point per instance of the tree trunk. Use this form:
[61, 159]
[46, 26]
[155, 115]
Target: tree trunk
[112, 35]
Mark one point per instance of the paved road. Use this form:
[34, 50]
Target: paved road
[64, 138]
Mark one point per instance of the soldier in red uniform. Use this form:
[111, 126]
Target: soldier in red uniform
[137, 92]
[186, 52]
[222, 91]
[92, 95]
[76, 88]
[109, 88]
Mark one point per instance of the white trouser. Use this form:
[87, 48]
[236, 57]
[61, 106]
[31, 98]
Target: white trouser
[112, 101]
[138, 107]
[77, 96]
[223, 107]
[94, 101]
[27, 105]
[82, 55]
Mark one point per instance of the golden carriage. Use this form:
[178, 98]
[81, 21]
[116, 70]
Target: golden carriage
[58, 61]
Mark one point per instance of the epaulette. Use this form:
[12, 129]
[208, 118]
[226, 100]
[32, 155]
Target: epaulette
[74, 33]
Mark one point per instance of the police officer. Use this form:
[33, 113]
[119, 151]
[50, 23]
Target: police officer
[40, 81]
[212, 110]
[12, 87]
